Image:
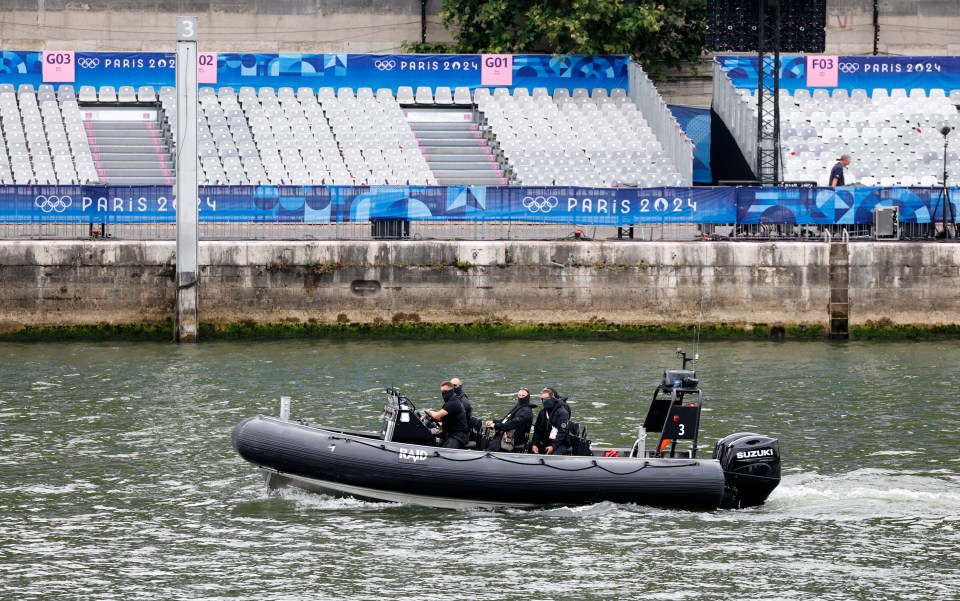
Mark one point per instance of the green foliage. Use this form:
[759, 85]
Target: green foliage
[656, 34]
[100, 331]
[427, 47]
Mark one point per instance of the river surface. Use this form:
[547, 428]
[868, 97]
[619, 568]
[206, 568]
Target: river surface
[118, 480]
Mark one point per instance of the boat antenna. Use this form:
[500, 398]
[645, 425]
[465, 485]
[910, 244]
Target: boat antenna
[696, 334]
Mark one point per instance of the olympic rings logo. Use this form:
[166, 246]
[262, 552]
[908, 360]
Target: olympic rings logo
[540, 204]
[88, 63]
[385, 65]
[53, 204]
[849, 67]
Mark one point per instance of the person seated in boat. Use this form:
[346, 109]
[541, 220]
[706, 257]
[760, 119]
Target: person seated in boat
[452, 419]
[474, 424]
[512, 431]
[550, 431]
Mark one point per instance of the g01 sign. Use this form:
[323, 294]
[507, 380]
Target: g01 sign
[59, 66]
[496, 70]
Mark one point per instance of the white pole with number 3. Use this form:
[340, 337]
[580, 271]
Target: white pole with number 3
[188, 274]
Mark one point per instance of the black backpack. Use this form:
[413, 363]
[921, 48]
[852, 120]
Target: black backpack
[576, 435]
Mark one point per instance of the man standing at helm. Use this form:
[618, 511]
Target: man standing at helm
[453, 419]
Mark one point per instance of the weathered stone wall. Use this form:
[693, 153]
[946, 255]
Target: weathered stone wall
[907, 27]
[88, 282]
[310, 26]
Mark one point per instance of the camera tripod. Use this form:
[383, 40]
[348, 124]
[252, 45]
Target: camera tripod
[943, 202]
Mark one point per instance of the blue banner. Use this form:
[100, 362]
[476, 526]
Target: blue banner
[583, 206]
[570, 72]
[327, 70]
[696, 122]
[94, 68]
[854, 72]
[321, 204]
[838, 206]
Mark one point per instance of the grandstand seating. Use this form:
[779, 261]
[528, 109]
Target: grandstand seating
[43, 138]
[582, 139]
[341, 137]
[894, 137]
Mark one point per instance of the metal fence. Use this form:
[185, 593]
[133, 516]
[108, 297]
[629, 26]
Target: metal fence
[481, 230]
[405, 230]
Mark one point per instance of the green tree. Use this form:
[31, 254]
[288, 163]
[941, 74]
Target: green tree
[656, 34]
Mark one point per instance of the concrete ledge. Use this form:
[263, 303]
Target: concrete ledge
[55, 283]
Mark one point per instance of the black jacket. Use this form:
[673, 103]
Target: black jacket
[546, 421]
[473, 423]
[520, 418]
[455, 421]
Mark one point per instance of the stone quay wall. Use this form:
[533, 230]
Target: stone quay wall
[70, 283]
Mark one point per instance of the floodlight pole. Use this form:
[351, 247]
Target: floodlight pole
[188, 274]
[943, 198]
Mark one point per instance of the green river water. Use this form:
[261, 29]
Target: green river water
[118, 480]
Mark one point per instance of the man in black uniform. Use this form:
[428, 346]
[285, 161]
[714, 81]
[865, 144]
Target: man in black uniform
[452, 418]
[516, 424]
[550, 431]
[473, 423]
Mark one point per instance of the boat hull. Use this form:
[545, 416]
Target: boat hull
[350, 464]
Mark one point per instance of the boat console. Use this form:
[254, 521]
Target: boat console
[401, 422]
[674, 413]
[750, 462]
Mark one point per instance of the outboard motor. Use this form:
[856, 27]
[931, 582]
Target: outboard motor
[751, 468]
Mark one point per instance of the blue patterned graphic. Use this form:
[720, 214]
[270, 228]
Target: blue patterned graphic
[320, 204]
[19, 63]
[840, 206]
[585, 206]
[696, 122]
[855, 72]
[570, 71]
[325, 70]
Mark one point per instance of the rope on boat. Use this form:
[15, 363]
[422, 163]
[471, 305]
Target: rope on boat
[593, 464]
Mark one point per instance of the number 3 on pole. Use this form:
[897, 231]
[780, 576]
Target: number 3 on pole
[186, 29]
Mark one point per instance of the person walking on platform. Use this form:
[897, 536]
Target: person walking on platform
[836, 174]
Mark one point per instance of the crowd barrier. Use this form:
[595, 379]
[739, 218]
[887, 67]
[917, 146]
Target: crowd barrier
[453, 204]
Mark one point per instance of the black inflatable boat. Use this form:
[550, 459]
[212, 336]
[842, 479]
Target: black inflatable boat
[401, 462]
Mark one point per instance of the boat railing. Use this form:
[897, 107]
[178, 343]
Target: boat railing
[675, 416]
[401, 423]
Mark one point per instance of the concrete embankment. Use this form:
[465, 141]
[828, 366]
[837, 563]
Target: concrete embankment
[77, 283]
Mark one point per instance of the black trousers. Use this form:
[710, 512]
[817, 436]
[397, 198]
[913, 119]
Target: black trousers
[452, 442]
[560, 450]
